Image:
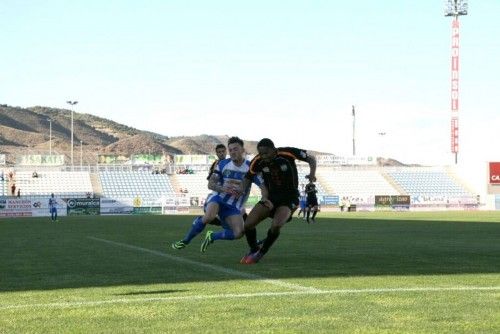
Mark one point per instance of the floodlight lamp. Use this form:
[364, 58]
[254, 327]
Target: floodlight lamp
[455, 7]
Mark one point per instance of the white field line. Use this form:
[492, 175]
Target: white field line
[248, 295]
[224, 270]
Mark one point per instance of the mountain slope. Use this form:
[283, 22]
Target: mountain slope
[26, 131]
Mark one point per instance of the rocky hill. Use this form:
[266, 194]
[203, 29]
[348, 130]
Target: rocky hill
[26, 131]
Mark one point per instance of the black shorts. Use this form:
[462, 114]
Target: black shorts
[289, 200]
[312, 201]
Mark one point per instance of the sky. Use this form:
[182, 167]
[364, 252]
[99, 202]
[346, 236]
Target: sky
[288, 70]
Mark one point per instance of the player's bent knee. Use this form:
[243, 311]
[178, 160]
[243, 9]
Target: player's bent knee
[207, 218]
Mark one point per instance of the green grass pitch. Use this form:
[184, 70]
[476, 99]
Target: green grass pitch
[348, 273]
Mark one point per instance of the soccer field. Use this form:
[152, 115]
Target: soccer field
[350, 272]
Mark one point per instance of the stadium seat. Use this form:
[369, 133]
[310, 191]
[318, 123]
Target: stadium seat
[62, 184]
[131, 184]
[427, 181]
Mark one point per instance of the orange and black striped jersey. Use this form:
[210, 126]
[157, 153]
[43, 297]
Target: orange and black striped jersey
[280, 174]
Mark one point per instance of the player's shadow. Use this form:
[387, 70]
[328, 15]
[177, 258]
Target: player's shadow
[149, 292]
[44, 257]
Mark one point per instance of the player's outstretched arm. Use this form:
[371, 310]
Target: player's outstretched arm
[311, 160]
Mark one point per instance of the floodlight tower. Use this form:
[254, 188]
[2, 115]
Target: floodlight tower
[50, 136]
[353, 131]
[81, 155]
[72, 103]
[455, 8]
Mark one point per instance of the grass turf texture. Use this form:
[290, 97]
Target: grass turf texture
[351, 272]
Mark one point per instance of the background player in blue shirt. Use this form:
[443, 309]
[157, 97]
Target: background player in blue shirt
[53, 208]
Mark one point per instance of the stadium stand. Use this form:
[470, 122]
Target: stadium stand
[303, 181]
[195, 184]
[126, 184]
[63, 184]
[429, 181]
[357, 182]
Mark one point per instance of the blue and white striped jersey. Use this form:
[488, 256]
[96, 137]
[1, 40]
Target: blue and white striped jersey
[232, 176]
[52, 203]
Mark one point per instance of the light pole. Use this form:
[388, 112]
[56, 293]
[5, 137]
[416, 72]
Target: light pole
[81, 155]
[50, 137]
[353, 131]
[455, 8]
[71, 103]
[382, 143]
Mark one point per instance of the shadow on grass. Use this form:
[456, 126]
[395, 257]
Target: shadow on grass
[36, 255]
[157, 292]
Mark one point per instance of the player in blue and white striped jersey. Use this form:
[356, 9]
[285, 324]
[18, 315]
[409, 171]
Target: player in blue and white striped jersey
[225, 192]
[226, 200]
[53, 208]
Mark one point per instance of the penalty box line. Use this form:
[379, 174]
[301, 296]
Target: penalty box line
[212, 267]
[248, 295]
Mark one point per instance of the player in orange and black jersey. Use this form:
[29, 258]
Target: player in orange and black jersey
[221, 152]
[312, 201]
[281, 196]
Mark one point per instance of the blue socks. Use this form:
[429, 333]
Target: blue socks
[223, 235]
[196, 229]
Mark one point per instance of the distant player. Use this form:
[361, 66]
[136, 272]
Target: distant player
[279, 194]
[53, 208]
[312, 201]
